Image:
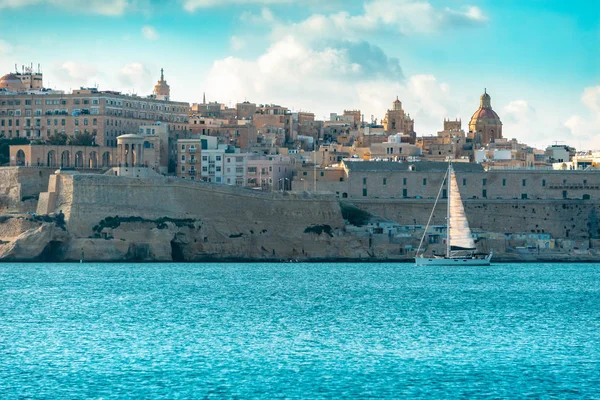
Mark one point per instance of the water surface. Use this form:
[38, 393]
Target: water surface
[298, 331]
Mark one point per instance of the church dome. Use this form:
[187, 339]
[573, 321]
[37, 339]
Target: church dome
[484, 113]
[12, 83]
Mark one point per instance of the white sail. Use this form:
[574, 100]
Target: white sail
[459, 234]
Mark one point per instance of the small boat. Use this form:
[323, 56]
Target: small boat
[460, 246]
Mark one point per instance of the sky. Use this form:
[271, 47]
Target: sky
[538, 59]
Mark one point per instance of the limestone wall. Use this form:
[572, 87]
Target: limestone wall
[573, 219]
[222, 222]
[19, 183]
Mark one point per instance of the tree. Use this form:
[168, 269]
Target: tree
[58, 139]
[5, 148]
[83, 139]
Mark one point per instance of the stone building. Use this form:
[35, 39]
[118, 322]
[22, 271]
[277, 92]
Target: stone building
[78, 157]
[398, 121]
[245, 110]
[395, 180]
[485, 125]
[25, 80]
[37, 114]
[394, 149]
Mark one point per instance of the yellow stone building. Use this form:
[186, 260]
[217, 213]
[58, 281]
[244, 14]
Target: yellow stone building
[398, 121]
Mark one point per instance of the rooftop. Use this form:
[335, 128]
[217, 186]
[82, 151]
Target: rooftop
[419, 166]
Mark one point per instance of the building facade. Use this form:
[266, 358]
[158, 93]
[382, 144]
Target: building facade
[397, 120]
[40, 114]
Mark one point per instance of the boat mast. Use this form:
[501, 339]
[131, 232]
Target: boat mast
[448, 186]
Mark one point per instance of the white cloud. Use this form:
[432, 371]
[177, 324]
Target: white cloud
[518, 112]
[193, 5]
[149, 32]
[333, 78]
[136, 78]
[399, 16]
[103, 7]
[237, 43]
[588, 126]
[71, 74]
[265, 16]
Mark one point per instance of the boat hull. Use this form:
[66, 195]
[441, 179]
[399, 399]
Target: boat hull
[458, 261]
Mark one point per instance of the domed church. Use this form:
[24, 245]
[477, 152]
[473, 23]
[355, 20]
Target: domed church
[485, 126]
[12, 83]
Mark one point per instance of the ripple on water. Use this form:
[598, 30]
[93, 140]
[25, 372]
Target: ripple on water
[298, 331]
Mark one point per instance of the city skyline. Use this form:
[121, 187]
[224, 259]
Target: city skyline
[538, 61]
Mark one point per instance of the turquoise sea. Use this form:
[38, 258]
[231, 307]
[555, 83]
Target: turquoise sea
[141, 331]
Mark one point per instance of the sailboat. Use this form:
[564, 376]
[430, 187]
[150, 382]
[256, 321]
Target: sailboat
[460, 246]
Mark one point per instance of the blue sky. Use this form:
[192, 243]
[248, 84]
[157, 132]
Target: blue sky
[539, 59]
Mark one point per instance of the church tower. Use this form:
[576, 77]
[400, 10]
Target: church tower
[162, 91]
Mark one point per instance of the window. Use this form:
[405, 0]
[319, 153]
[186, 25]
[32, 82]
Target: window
[364, 181]
[484, 193]
[27, 102]
[322, 173]
[523, 196]
[543, 182]
[384, 181]
[404, 181]
[564, 194]
[183, 168]
[218, 158]
[304, 173]
[524, 182]
[464, 181]
[404, 193]
[204, 158]
[182, 158]
[365, 192]
[503, 182]
[183, 147]
[585, 181]
[484, 182]
[218, 169]
[204, 169]
[424, 181]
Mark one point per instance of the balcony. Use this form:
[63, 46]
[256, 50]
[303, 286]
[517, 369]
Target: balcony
[193, 161]
[192, 172]
[192, 150]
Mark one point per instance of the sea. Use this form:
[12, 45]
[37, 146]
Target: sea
[298, 331]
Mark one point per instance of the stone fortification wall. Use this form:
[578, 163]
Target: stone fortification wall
[86, 199]
[18, 184]
[563, 219]
[114, 218]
